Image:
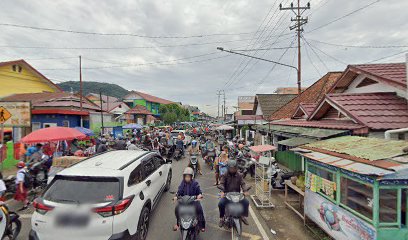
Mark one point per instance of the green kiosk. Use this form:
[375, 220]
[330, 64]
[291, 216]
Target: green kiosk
[357, 187]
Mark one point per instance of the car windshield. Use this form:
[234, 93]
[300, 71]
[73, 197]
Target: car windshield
[83, 190]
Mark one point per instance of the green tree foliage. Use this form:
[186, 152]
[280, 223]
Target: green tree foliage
[171, 113]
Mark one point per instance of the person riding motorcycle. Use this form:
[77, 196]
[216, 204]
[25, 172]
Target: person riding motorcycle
[180, 144]
[190, 187]
[223, 158]
[232, 181]
[194, 149]
[240, 153]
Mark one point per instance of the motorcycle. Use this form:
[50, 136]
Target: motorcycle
[194, 164]
[10, 224]
[233, 213]
[279, 176]
[168, 151]
[189, 228]
[210, 158]
[39, 171]
[178, 154]
[246, 165]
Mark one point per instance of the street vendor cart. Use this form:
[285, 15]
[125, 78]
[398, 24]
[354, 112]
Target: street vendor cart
[357, 187]
[262, 155]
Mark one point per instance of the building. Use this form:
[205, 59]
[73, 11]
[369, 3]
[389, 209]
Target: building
[117, 109]
[20, 77]
[245, 105]
[151, 103]
[139, 114]
[96, 98]
[266, 104]
[57, 109]
[288, 90]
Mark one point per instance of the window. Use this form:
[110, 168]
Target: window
[388, 205]
[322, 181]
[35, 126]
[136, 176]
[357, 196]
[47, 125]
[17, 68]
[65, 123]
[149, 167]
[158, 162]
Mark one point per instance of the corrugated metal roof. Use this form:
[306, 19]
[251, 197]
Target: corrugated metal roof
[361, 147]
[303, 131]
[296, 141]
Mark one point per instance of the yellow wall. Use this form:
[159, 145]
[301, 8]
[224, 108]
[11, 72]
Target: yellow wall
[25, 82]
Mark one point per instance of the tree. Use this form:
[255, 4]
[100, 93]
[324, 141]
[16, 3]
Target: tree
[171, 113]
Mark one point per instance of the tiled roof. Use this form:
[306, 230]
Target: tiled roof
[110, 106]
[392, 71]
[374, 110]
[23, 62]
[308, 107]
[288, 90]
[151, 98]
[270, 103]
[312, 94]
[328, 124]
[139, 109]
[58, 99]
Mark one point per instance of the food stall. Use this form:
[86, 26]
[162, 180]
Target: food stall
[263, 158]
[357, 187]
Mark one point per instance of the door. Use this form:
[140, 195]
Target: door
[152, 179]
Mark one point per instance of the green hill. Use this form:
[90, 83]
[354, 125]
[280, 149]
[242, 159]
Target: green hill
[94, 87]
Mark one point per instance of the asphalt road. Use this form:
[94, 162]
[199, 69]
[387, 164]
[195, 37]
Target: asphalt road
[163, 219]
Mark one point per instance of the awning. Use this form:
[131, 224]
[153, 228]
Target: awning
[302, 131]
[296, 141]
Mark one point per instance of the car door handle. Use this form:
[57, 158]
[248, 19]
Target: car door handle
[160, 173]
[148, 182]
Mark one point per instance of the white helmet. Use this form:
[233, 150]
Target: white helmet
[188, 171]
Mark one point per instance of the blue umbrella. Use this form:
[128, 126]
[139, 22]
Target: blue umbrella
[86, 131]
[132, 126]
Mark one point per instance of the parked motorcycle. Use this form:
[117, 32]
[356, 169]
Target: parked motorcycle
[39, 171]
[194, 164]
[278, 176]
[189, 228]
[10, 224]
[246, 165]
[233, 214]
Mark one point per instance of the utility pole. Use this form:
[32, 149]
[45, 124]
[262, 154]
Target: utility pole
[80, 88]
[300, 21]
[100, 99]
[225, 107]
[218, 106]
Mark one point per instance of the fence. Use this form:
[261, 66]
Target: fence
[290, 160]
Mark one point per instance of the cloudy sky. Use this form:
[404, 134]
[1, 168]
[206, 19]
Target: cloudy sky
[168, 48]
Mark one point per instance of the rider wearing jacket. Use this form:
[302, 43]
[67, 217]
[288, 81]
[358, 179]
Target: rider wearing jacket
[194, 149]
[190, 187]
[232, 181]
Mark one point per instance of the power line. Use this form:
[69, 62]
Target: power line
[392, 55]
[117, 34]
[359, 46]
[311, 61]
[344, 16]
[317, 55]
[261, 49]
[318, 49]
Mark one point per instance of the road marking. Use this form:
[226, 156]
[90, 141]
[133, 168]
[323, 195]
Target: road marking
[244, 234]
[258, 224]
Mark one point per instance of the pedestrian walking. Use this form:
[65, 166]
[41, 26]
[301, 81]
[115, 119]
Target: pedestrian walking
[22, 185]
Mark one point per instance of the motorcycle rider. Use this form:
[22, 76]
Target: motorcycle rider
[232, 181]
[190, 187]
[180, 145]
[194, 149]
[222, 158]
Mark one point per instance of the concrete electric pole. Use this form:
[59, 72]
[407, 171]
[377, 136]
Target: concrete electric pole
[299, 22]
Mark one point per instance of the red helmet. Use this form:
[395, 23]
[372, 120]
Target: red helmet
[21, 164]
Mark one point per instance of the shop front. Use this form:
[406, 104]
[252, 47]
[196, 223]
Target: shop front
[351, 197]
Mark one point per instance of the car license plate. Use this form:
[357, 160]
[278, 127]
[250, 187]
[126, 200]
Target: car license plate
[70, 220]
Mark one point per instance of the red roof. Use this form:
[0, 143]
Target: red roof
[312, 94]
[395, 72]
[375, 110]
[111, 105]
[59, 111]
[329, 124]
[151, 98]
[249, 117]
[23, 62]
[139, 109]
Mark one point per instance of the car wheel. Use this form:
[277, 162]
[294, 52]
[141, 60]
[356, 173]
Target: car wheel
[143, 226]
[168, 182]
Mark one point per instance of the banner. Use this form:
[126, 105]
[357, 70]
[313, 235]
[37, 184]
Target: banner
[15, 114]
[336, 221]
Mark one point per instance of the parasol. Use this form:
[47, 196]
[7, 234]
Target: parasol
[88, 132]
[224, 128]
[52, 134]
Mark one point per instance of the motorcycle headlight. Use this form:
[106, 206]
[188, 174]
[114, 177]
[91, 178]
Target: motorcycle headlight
[186, 222]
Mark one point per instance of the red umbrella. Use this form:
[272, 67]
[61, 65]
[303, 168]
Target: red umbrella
[52, 134]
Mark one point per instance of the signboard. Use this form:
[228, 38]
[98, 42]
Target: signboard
[15, 114]
[336, 221]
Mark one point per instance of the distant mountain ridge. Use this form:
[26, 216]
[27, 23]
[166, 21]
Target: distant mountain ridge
[109, 89]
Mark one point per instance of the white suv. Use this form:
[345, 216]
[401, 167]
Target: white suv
[108, 196]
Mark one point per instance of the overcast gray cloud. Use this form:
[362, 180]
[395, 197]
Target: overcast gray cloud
[195, 80]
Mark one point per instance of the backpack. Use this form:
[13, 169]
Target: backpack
[28, 180]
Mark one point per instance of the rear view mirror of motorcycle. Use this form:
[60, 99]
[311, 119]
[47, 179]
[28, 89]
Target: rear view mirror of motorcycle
[168, 160]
